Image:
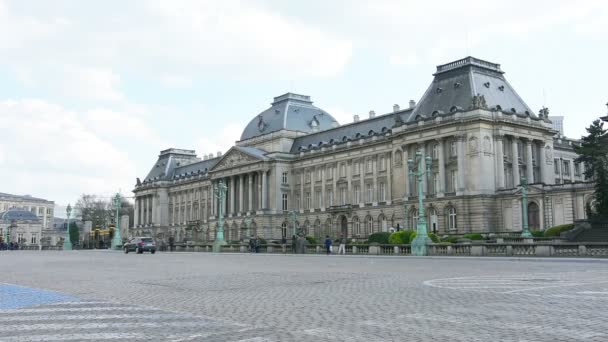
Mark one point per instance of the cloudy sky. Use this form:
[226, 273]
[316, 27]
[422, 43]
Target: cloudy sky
[91, 91]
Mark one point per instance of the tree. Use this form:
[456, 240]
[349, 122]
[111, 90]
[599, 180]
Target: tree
[593, 151]
[101, 211]
[74, 233]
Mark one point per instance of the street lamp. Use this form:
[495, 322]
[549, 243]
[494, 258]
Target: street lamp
[294, 218]
[525, 232]
[67, 244]
[416, 169]
[117, 240]
[220, 193]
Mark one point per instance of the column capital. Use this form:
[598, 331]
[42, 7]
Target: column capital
[499, 136]
[460, 137]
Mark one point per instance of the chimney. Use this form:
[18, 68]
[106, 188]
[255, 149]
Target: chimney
[412, 104]
[395, 108]
[372, 114]
[205, 157]
[219, 154]
[210, 156]
[356, 118]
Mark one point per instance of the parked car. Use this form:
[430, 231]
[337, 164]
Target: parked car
[140, 245]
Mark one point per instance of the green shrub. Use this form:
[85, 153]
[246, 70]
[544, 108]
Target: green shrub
[432, 236]
[555, 231]
[380, 237]
[311, 240]
[401, 237]
[473, 236]
[262, 241]
[537, 233]
[450, 239]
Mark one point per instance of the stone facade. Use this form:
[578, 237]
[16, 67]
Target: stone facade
[353, 179]
[40, 207]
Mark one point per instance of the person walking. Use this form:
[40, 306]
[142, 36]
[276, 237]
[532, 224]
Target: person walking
[256, 245]
[284, 244]
[342, 247]
[252, 244]
[328, 244]
[293, 244]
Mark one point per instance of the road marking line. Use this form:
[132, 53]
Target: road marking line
[85, 317]
[58, 310]
[76, 337]
[63, 326]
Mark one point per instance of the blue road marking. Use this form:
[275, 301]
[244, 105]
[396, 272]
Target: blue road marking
[14, 297]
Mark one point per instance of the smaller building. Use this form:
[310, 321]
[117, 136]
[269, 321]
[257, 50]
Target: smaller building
[43, 209]
[20, 226]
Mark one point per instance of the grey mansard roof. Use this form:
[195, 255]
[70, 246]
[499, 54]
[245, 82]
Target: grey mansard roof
[456, 83]
[378, 125]
[290, 112]
[18, 215]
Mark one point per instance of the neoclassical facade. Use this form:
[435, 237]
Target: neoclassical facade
[352, 179]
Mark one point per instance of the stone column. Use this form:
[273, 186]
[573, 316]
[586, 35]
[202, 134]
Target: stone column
[335, 183]
[572, 170]
[322, 204]
[362, 192]
[406, 194]
[250, 192]
[302, 180]
[425, 185]
[312, 188]
[529, 162]
[546, 171]
[136, 211]
[349, 180]
[264, 189]
[258, 182]
[560, 164]
[515, 162]
[232, 183]
[461, 165]
[389, 180]
[241, 194]
[375, 164]
[153, 200]
[500, 162]
[441, 161]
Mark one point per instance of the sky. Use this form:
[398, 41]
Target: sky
[91, 91]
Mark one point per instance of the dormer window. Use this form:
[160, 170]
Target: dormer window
[487, 84]
[453, 109]
[513, 110]
[438, 90]
[314, 123]
[501, 88]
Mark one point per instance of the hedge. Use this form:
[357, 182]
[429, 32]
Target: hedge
[401, 237]
[432, 236]
[311, 240]
[557, 230]
[473, 236]
[380, 237]
[450, 239]
[537, 233]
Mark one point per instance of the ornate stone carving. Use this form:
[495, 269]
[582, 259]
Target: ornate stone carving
[398, 158]
[261, 124]
[479, 102]
[398, 121]
[235, 158]
[543, 112]
[473, 145]
[548, 154]
[487, 144]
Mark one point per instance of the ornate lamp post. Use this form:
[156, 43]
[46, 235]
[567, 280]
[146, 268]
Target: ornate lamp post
[67, 244]
[294, 219]
[525, 232]
[220, 193]
[416, 169]
[117, 240]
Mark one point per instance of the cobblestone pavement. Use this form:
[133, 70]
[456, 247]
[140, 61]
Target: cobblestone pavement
[103, 295]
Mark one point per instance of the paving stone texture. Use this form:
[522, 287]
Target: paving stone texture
[103, 296]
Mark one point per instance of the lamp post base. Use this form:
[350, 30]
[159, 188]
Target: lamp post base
[116, 244]
[217, 245]
[526, 234]
[67, 246]
[420, 245]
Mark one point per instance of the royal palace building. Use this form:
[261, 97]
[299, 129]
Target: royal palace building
[296, 163]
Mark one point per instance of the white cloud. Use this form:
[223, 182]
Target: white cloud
[222, 141]
[176, 81]
[343, 116]
[48, 149]
[92, 84]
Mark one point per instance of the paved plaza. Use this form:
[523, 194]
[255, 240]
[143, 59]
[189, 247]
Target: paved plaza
[104, 295]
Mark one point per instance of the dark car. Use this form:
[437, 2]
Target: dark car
[140, 245]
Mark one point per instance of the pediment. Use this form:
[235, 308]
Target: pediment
[235, 158]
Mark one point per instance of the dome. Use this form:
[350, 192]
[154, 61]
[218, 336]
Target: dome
[18, 215]
[291, 112]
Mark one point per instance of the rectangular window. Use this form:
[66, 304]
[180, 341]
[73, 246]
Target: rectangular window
[577, 169]
[34, 239]
[308, 204]
[566, 166]
[284, 202]
[329, 172]
[284, 177]
[520, 150]
[453, 151]
[370, 166]
[342, 196]
[356, 168]
[357, 194]
[370, 193]
[382, 192]
[435, 151]
[435, 182]
[308, 176]
[319, 173]
[298, 201]
[382, 165]
[343, 170]
[330, 198]
[20, 238]
[453, 180]
[40, 211]
[556, 166]
[319, 196]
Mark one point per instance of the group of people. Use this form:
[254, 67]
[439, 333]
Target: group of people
[8, 246]
[254, 244]
[329, 245]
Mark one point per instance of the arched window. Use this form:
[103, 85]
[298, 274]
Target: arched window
[433, 223]
[451, 218]
[382, 224]
[305, 227]
[356, 226]
[533, 216]
[328, 227]
[284, 230]
[369, 225]
[414, 216]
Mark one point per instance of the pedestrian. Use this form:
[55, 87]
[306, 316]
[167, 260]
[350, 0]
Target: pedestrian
[257, 244]
[171, 243]
[283, 244]
[342, 247]
[293, 244]
[328, 244]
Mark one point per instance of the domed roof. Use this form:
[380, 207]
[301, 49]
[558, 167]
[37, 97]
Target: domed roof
[18, 215]
[291, 112]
